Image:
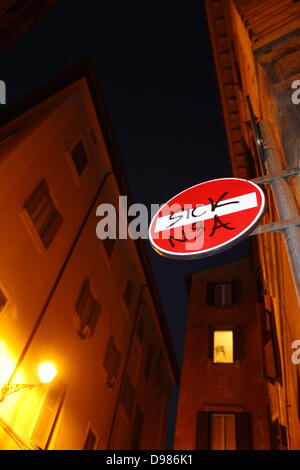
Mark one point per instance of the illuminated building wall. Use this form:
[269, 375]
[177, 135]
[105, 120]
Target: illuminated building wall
[256, 49]
[86, 305]
[223, 395]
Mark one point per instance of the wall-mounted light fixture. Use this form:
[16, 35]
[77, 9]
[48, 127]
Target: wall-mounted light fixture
[46, 372]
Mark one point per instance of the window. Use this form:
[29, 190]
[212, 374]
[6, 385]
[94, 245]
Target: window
[140, 330]
[137, 429]
[128, 397]
[222, 294]
[223, 346]
[88, 310]
[79, 157]
[223, 431]
[3, 300]
[48, 417]
[148, 363]
[111, 362]
[43, 214]
[272, 365]
[278, 436]
[128, 293]
[90, 441]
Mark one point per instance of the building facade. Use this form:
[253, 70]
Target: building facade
[17, 16]
[88, 306]
[256, 50]
[223, 403]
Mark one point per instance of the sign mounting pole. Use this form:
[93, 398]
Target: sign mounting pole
[283, 196]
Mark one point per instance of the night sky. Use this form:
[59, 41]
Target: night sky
[155, 66]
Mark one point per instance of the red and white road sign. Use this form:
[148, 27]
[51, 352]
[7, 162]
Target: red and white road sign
[207, 218]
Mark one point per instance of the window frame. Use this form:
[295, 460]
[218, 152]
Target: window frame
[111, 372]
[54, 220]
[88, 319]
[90, 429]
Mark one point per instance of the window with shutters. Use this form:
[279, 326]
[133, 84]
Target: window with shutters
[272, 367]
[49, 414]
[79, 157]
[88, 311]
[43, 214]
[223, 294]
[128, 397]
[3, 300]
[90, 440]
[223, 346]
[223, 431]
[137, 429]
[278, 436]
[128, 293]
[226, 344]
[111, 362]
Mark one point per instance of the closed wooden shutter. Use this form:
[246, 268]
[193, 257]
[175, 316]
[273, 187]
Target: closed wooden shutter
[49, 413]
[210, 293]
[239, 343]
[203, 431]
[243, 431]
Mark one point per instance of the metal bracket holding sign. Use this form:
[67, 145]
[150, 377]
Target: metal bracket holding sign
[280, 225]
[283, 196]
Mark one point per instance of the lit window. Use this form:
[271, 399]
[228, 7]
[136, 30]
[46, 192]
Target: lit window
[223, 294]
[43, 213]
[88, 310]
[79, 157]
[223, 436]
[223, 346]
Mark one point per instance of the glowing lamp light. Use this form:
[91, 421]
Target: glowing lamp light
[47, 372]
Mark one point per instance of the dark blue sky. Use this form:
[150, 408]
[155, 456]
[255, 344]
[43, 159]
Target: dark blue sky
[155, 66]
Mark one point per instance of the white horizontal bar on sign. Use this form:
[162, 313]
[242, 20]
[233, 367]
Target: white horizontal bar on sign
[235, 204]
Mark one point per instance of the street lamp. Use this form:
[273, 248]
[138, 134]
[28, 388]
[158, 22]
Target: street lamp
[46, 372]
